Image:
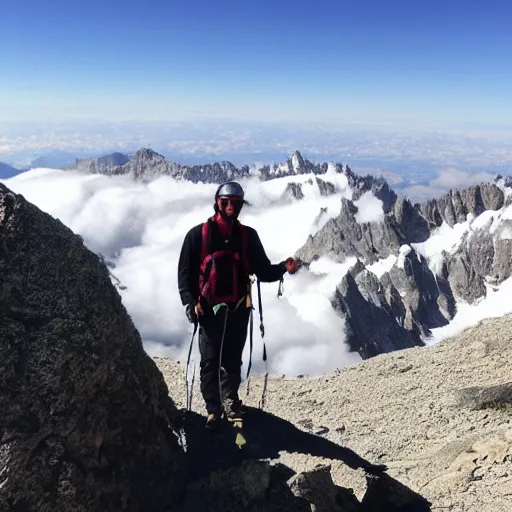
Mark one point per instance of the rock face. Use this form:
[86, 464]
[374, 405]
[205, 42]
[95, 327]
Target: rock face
[427, 304]
[86, 423]
[344, 236]
[483, 256]
[454, 206]
[108, 164]
[378, 187]
[421, 297]
[411, 225]
[374, 316]
[326, 188]
[293, 191]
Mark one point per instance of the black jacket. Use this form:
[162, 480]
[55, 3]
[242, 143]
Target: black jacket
[190, 259]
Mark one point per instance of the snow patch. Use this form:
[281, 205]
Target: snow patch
[382, 266]
[495, 304]
[506, 233]
[403, 252]
[443, 238]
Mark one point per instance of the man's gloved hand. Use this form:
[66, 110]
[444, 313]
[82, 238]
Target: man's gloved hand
[190, 311]
[292, 265]
[193, 311]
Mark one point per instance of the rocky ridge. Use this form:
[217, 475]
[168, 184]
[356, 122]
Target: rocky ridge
[146, 165]
[414, 295]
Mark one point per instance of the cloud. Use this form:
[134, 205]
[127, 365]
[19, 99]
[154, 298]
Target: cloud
[456, 178]
[369, 208]
[140, 228]
[449, 178]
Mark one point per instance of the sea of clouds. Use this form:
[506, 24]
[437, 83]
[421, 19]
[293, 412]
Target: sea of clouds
[140, 228]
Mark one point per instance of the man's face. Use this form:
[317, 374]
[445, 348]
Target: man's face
[230, 205]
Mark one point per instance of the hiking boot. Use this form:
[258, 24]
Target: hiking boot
[233, 409]
[213, 420]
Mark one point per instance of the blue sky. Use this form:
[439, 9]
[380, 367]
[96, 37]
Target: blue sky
[379, 60]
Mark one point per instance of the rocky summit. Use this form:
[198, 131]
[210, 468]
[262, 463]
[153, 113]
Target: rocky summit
[436, 418]
[86, 422]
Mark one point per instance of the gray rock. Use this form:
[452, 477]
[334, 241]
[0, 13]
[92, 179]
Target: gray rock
[492, 397]
[454, 206]
[293, 191]
[326, 188]
[479, 247]
[343, 236]
[493, 197]
[107, 164]
[317, 488]
[464, 281]
[86, 422]
[411, 224]
[472, 262]
[233, 489]
[502, 261]
[371, 325]
[419, 291]
[430, 211]
[378, 186]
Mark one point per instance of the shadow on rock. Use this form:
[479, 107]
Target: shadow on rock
[214, 460]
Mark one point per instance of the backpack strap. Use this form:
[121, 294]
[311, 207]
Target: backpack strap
[206, 238]
[245, 253]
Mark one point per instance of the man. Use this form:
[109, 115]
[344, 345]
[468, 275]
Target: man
[216, 261]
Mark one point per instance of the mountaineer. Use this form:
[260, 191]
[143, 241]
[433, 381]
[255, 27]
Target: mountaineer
[216, 261]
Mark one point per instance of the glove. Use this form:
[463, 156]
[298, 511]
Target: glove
[292, 265]
[190, 311]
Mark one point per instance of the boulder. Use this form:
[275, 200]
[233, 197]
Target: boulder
[86, 423]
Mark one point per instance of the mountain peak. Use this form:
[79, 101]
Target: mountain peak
[297, 161]
[147, 154]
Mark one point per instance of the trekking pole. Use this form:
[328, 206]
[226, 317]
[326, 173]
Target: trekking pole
[189, 394]
[251, 328]
[220, 353]
[262, 330]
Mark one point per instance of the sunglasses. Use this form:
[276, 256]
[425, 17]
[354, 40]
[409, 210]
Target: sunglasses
[236, 203]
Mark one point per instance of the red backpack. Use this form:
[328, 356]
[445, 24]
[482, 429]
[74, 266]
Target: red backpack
[222, 273]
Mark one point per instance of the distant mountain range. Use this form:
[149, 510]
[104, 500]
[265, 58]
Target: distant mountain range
[406, 279]
[146, 165]
[415, 292]
[7, 171]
